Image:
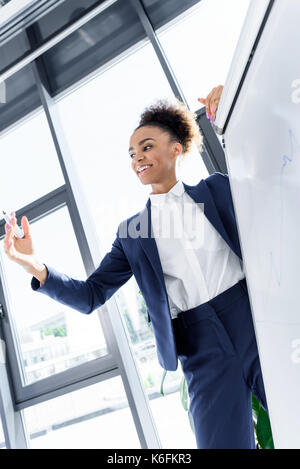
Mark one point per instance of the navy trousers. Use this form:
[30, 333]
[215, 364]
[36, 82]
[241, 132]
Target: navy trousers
[217, 349]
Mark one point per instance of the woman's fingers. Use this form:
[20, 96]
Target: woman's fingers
[212, 102]
[13, 220]
[214, 106]
[13, 224]
[9, 230]
[204, 102]
[25, 226]
[7, 239]
[209, 103]
[217, 97]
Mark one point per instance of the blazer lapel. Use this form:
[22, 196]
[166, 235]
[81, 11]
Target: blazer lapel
[201, 193]
[148, 244]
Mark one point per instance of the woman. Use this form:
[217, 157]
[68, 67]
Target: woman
[193, 284]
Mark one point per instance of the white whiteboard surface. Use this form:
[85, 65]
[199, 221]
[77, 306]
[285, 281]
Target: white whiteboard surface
[262, 141]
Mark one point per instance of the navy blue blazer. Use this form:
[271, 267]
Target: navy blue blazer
[135, 253]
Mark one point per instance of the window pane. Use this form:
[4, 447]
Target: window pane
[96, 42]
[98, 119]
[50, 336]
[11, 50]
[28, 163]
[200, 46]
[97, 416]
[18, 96]
[2, 439]
[3, 2]
[161, 12]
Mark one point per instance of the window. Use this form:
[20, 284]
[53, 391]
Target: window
[2, 439]
[29, 164]
[200, 46]
[97, 416]
[50, 336]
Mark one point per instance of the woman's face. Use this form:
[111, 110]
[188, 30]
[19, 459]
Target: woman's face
[150, 145]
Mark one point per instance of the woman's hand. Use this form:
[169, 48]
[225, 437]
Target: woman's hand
[21, 250]
[212, 102]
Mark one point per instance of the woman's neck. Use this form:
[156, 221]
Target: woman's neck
[163, 188]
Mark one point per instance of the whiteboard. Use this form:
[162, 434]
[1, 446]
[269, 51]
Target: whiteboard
[259, 116]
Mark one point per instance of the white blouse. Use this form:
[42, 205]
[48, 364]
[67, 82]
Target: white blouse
[196, 261]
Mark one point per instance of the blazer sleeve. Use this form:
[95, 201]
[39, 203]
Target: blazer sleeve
[87, 295]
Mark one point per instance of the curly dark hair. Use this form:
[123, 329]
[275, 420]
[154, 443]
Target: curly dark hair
[176, 119]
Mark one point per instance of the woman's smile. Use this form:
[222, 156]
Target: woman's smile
[143, 170]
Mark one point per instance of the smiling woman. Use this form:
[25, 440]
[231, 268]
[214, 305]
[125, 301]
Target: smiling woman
[99, 143]
[165, 132]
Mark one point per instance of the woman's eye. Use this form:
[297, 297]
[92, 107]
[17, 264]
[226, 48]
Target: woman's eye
[132, 154]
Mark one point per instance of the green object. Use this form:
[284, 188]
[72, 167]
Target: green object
[59, 331]
[143, 310]
[263, 427]
[130, 328]
[255, 407]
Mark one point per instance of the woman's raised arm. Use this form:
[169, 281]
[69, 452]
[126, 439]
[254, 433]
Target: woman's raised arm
[82, 295]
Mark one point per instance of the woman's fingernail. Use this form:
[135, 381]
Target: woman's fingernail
[207, 115]
[8, 227]
[10, 243]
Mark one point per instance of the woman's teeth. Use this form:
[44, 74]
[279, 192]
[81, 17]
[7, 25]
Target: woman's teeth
[144, 169]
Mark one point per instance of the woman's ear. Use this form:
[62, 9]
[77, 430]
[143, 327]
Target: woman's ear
[177, 148]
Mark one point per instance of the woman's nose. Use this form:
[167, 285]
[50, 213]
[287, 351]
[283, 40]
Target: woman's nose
[137, 158]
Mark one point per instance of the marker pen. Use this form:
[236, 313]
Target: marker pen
[18, 230]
